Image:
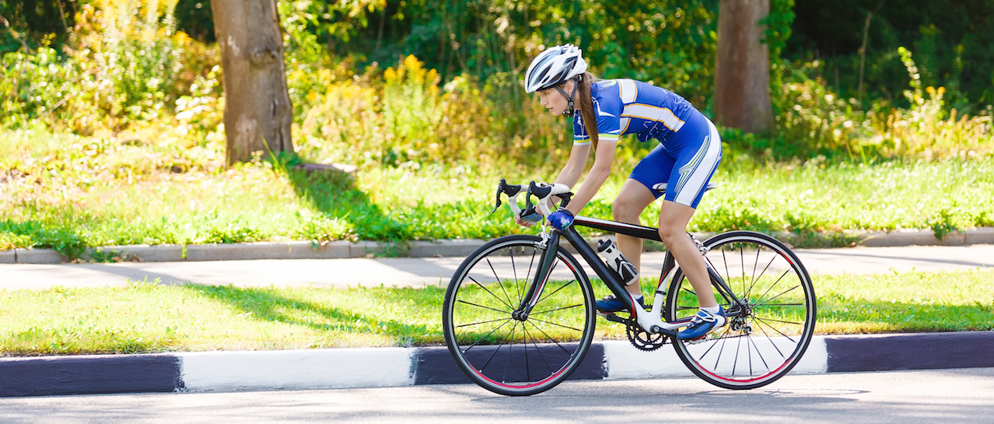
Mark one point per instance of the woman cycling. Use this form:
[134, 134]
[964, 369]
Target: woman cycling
[688, 153]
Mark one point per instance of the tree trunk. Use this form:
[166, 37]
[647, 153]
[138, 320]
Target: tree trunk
[742, 70]
[257, 107]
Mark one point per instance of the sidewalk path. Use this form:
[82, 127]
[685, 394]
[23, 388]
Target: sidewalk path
[418, 272]
[380, 367]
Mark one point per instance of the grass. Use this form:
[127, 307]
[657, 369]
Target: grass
[147, 317]
[71, 192]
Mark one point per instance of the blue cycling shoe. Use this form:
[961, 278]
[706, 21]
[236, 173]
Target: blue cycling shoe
[611, 304]
[702, 324]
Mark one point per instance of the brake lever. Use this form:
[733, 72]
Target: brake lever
[500, 189]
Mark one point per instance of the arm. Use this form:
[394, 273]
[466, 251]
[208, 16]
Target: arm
[603, 158]
[571, 173]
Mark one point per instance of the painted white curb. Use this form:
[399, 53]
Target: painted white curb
[298, 369]
[624, 361]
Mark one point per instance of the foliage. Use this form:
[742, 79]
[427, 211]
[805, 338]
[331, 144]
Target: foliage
[404, 118]
[815, 121]
[670, 43]
[114, 136]
[953, 41]
[74, 192]
[123, 66]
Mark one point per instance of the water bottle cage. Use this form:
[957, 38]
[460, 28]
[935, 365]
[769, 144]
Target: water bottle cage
[617, 263]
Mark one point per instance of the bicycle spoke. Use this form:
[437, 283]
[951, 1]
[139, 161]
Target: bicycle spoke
[555, 291]
[753, 285]
[735, 361]
[524, 345]
[528, 276]
[776, 320]
[777, 296]
[728, 275]
[772, 343]
[763, 322]
[556, 324]
[474, 344]
[499, 283]
[547, 311]
[507, 360]
[549, 338]
[484, 307]
[509, 307]
[514, 270]
[720, 337]
[541, 356]
[482, 322]
[777, 290]
[755, 265]
[743, 263]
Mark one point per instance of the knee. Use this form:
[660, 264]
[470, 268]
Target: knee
[668, 232]
[624, 211]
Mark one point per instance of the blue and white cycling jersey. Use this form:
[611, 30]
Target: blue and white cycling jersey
[625, 106]
[689, 147]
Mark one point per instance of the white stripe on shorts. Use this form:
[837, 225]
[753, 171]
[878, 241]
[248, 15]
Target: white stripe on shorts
[700, 168]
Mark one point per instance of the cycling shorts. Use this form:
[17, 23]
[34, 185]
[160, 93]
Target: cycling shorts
[685, 162]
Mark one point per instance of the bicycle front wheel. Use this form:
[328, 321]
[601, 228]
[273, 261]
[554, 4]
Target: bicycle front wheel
[500, 350]
[768, 330]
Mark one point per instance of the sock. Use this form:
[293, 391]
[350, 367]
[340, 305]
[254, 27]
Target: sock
[713, 309]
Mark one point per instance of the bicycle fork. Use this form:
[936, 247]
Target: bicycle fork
[549, 245]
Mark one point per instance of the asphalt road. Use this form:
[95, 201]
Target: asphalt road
[417, 272]
[963, 395]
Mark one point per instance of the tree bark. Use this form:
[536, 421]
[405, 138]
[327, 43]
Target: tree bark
[742, 70]
[257, 109]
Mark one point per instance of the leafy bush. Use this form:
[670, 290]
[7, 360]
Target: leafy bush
[403, 118]
[813, 121]
[124, 67]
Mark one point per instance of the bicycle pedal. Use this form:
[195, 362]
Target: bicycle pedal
[705, 338]
[611, 317]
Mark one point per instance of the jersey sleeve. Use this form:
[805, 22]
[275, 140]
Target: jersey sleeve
[608, 125]
[580, 136]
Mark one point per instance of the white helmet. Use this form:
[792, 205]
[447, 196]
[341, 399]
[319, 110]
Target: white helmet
[553, 67]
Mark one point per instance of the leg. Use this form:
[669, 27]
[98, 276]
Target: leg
[673, 220]
[632, 200]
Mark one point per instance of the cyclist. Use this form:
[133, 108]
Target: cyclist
[688, 153]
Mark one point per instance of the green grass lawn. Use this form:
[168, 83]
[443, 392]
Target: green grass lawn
[71, 193]
[146, 317]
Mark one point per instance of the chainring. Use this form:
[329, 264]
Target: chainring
[641, 339]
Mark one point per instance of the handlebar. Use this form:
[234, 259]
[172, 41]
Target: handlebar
[543, 191]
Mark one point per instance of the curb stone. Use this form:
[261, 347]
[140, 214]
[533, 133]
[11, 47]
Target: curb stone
[398, 367]
[423, 249]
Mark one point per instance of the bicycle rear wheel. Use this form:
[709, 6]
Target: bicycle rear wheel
[512, 356]
[768, 332]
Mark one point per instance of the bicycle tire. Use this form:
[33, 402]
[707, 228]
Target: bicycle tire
[765, 342]
[514, 357]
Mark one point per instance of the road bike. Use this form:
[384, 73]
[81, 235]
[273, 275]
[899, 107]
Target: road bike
[519, 313]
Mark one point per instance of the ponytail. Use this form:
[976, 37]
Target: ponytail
[585, 101]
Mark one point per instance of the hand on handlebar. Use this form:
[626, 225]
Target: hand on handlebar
[533, 213]
[529, 217]
[561, 219]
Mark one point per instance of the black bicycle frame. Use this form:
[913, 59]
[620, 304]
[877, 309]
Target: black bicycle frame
[600, 268]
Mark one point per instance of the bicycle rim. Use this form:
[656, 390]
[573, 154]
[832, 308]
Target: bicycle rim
[509, 356]
[767, 338]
